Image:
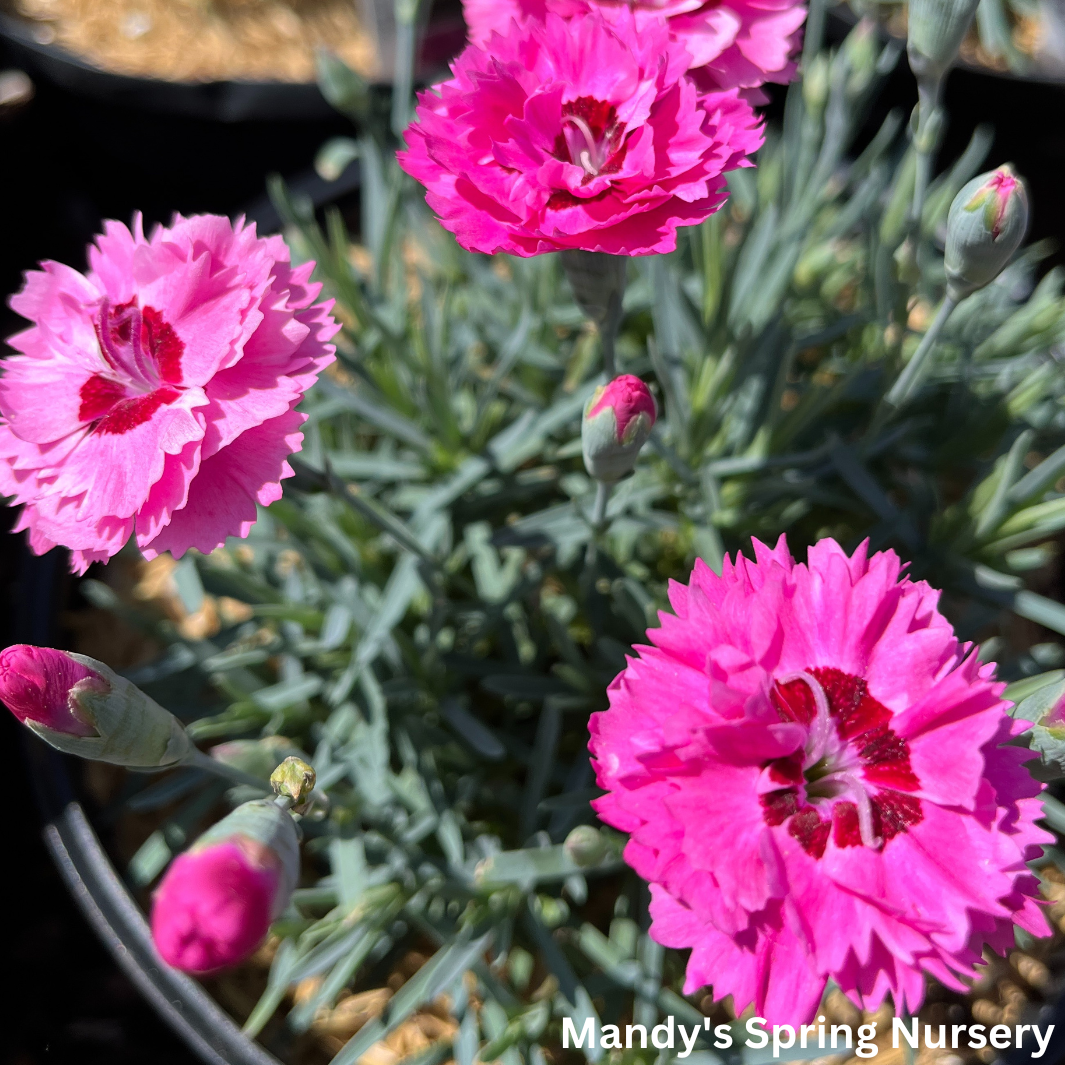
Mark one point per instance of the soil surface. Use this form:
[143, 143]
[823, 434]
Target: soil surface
[203, 40]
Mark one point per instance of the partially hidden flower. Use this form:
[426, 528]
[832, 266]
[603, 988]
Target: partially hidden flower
[155, 396]
[816, 780]
[82, 707]
[617, 423]
[741, 44]
[215, 904]
[576, 134]
[986, 223]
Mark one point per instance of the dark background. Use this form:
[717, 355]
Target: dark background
[67, 162]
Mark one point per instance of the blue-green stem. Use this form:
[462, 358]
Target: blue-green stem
[198, 760]
[907, 380]
[924, 139]
[602, 497]
[607, 336]
[406, 16]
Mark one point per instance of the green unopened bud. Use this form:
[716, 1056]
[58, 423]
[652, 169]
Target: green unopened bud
[82, 707]
[815, 84]
[617, 422]
[293, 779]
[985, 226]
[935, 30]
[585, 845]
[861, 49]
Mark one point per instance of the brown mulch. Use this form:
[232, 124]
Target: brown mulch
[204, 40]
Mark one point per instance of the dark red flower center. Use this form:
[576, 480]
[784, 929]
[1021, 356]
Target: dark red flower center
[851, 779]
[143, 353]
[591, 137]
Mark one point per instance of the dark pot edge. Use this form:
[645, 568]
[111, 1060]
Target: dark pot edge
[117, 920]
[224, 101]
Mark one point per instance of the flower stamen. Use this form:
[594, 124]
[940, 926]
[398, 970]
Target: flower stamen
[821, 726]
[591, 157]
[858, 792]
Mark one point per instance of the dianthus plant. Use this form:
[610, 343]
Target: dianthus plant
[742, 693]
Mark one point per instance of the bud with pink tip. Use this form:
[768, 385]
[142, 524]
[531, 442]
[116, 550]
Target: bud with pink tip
[985, 226]
[37, 684]
[217, 900]
[80, 706]
[617, 422]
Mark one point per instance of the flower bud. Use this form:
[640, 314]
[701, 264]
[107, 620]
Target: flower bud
[217, 900]
[80, 706]
[935, 30]
[293, 779]
[36, 685]
[598, 283]
[585, 845]
[617, 423]
[985, 226]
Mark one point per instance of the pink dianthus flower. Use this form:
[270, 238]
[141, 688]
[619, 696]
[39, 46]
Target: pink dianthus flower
[738, 44]
[813, 774]
[156, 395]
[576, 134]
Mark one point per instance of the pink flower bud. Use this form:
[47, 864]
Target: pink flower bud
[214, 906]
[616, 425]
[628, 396]
[36, 685]
[985, 226]
[216, 902]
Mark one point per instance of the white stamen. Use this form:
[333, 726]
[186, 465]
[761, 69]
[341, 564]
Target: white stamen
[589, 157]
[860, 794]
[821, 726]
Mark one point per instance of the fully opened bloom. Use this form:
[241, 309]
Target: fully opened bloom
[576, 134]
[735, 44]
[812, 772]
[215, 903]
[155, 397]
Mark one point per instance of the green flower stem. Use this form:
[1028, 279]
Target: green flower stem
[907, 380]
[924, 142]
[607, 335]
[602, 497]
[198, 760]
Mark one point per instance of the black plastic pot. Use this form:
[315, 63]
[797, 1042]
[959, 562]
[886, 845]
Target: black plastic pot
[221, 101]
[225, 101]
